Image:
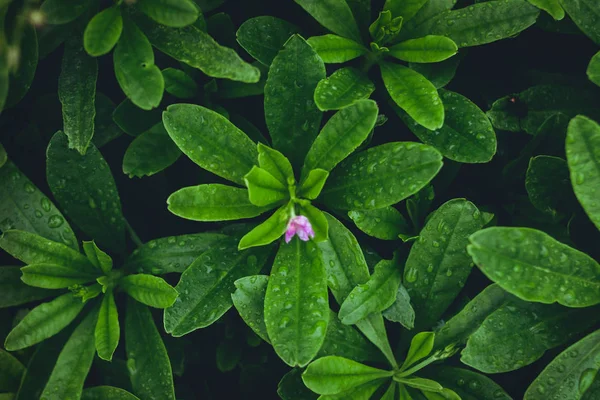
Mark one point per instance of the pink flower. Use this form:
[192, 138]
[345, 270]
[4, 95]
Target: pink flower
[299, 225]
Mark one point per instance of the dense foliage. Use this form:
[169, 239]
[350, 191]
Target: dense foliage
[300, 199]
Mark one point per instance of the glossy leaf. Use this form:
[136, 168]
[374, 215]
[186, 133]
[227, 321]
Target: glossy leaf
[334, 15]
[291, 387]
[97, 257]
[381, 176]
[86, 190]
[296, 306]
[401, 310]
[313, 184]
[59, 12]
[205, 287]
[552, 7]
[262, 37]
[51, 276]
[77, 93]
[11, 371]
[14, 292]
[213, 202]
[211, 141]
[440, 74]
[593, 70]
[469, 385]
[291, 115]
[147, 359]
[264, 189]
[150, 290]
[107, 393]
[421, 346]
[343, 88]
[413, 93]
[268, 231]
[175, 13]
[535, 267]
[361, 392]
[317, 219]
[103, 31]
[275, 164]
[428, 49]
[548, 185]
[24, 207]
[467, 135]
[584, 14]
[179, 84]
[383, 223]
[133, 120]
[249, 300]
[335, 49]
[583, 157]
[405, 8]
[107, 331]
[150, 153]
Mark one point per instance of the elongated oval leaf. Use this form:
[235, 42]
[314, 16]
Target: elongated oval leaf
[583, 157]
[401, 310]
[585, 14]
[107, 331]
[535, 267]
[381, 176]
[264, 189]
[383, 223]
[291, 387]
[335, 49]
[552, 7]
[334, 15]
[51, 276]
[296, 306]
[103, 31]
[548, 185]
[276, 164]
[107, 393]
[593, 70]
[149, 153]
[413, 93]
[263, 37]
[150, 290]
[404, 8]
[469, 385]
[211, 141]
[133, 120]
[249, 300]
[14, 292]
[179, 84]
[175, 13]
[268, 231]
[428, 49]
[22, 78]
[205, 287]
[343, 88]
[86, 190]
[11, 371]
[59, 12]
[97, 257]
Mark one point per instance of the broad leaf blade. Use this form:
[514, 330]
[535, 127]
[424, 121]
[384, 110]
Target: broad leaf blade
[593, 70]
[428, 49]
[268, 231]
[150, 290]
[469, 385]
[103, 31]
[13, 292]
[263, 37]
[51, 276]
[548, 185]
[174, 13]
[249, 300]
[383, 223]
[585, 14]
[334, 15]
[343, 88]
[11, 371]
[179, 84]
[149, 153]
[335, 49]
[107, 331]
[107, 393]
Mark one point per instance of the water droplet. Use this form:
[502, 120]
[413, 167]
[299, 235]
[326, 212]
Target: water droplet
[46, 205]
[38, 213]
[411, 275]
[284, 322]
[55, 221]
[29, 188]
[92, 202]
[435, 244]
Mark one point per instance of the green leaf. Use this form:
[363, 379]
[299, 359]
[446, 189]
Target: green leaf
[11, 371]
[425, 385]
[179, 84]
[198, 50]
[533, 266]
[296, 306]
[58, 12]
[107, 393]
[263, 37]
[584, 13]
[428, 49]
[133, 120]
[362, 392]
[385, 28]
[205, 287]
[107, 331]
[333, 375]
[150, 290]
[213, 202]
[552, 7]
[175, 13]
[249, 300]
[335, 49]
[150, 153]
[571, 373]
[381, 176]
[334, 15]
[548, 185]
[413, 93]
[313, 184]
[162, 256]
[421, 346]
[438, 264]
[469, 385]
[401, 310]
[439, 74]
[264, 189]
[341, 135]
[343, 88]
[74, 363]
[86, 190]
[583, 157]
[275, 164]
[404, 8]
[268, 231]
[51, 276]
[97, 257]
[383, 223]
[14, 292]
[291, 115]
[377, 294]
[522, 332]
[593, 70]
[77, 93]
[24, 207]
[103, 31]
[291, 387]
[105, 129]
[3, 156]
[317, 219]
[147, 359]
[22, 78]
[141, 80]
[211, 141]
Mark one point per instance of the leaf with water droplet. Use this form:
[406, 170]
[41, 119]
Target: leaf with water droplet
[334, 49]
[343, 88]
[401, 310]
[549, 187]
[585, 15]
[385, 223]
[291, 387]
[107, 392]
[150, 153]
[148, 289]
[593, 69]
[335, 15]
[469, 385]
[249, 300]
[14, 292]
[107, 331]
[262, 37]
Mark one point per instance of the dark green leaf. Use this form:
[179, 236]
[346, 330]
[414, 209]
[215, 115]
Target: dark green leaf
[105, 129]
[179, 84]
[548, 185]
[263, 37]
[552, 7]
[593, 70]
[585, 14]
[291, 387]
[229, 354]
[150, 290]
[264, 189]
[335, 49]
[229, 89]
[343, 88]
[175, 13]
[107, 331]
[133, 120]
[440, 74]
[103, 31]
[14, 292]
[401, 310]
[62, 11]
[149, 153]
[249, 300]
[21, 80]
[428, 49]
[334, 15]
[404, 8]
[107, 393]
[467, 384]
[268, 231]
[11, 371]
[383, 223]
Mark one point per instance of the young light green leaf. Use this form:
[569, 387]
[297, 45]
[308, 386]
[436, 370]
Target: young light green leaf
[535, 267]
[469, 385]
[292, 117]
[552, 7]
[264, 189]
[548, 185]
[213, 202]
[333, 375]
[313, 184]
[268, 231]
[58, 12]
[147, 359]
[335, 49]
[377, 294]
[584, 14]
[175, 13]
[52, 276]
[425, 385]
[150, 290]
[421, 346]
[583, 157]
[205, 287]
[341, 135]
[362, 392]
[107, 330]
[401, 310]
[383, 223]
[263, 37]
[413, 93]
[11, 371]
[141, 80]
[381, 176]
[438, 264]
[343, 88]
[571, 373]
[107, 393]
[385, 28]
[249, 300]
[149, 153]
[86, 190]
[334, 15]
[74, 363]
[317, 219]
[593, 69]
[103, 31]
[428, 49]
[296, 306]
[198, 50]
[275, 164]
[179, 84]
[25, 207]
[14, 292]
[22, 78]
[439, 74]
[97, 257]
[404, 8]
[211, 141]
[77, 93]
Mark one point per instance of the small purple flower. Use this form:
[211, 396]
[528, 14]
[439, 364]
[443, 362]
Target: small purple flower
[299, 225]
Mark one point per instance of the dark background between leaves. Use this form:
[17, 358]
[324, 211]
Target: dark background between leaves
[485, 74]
